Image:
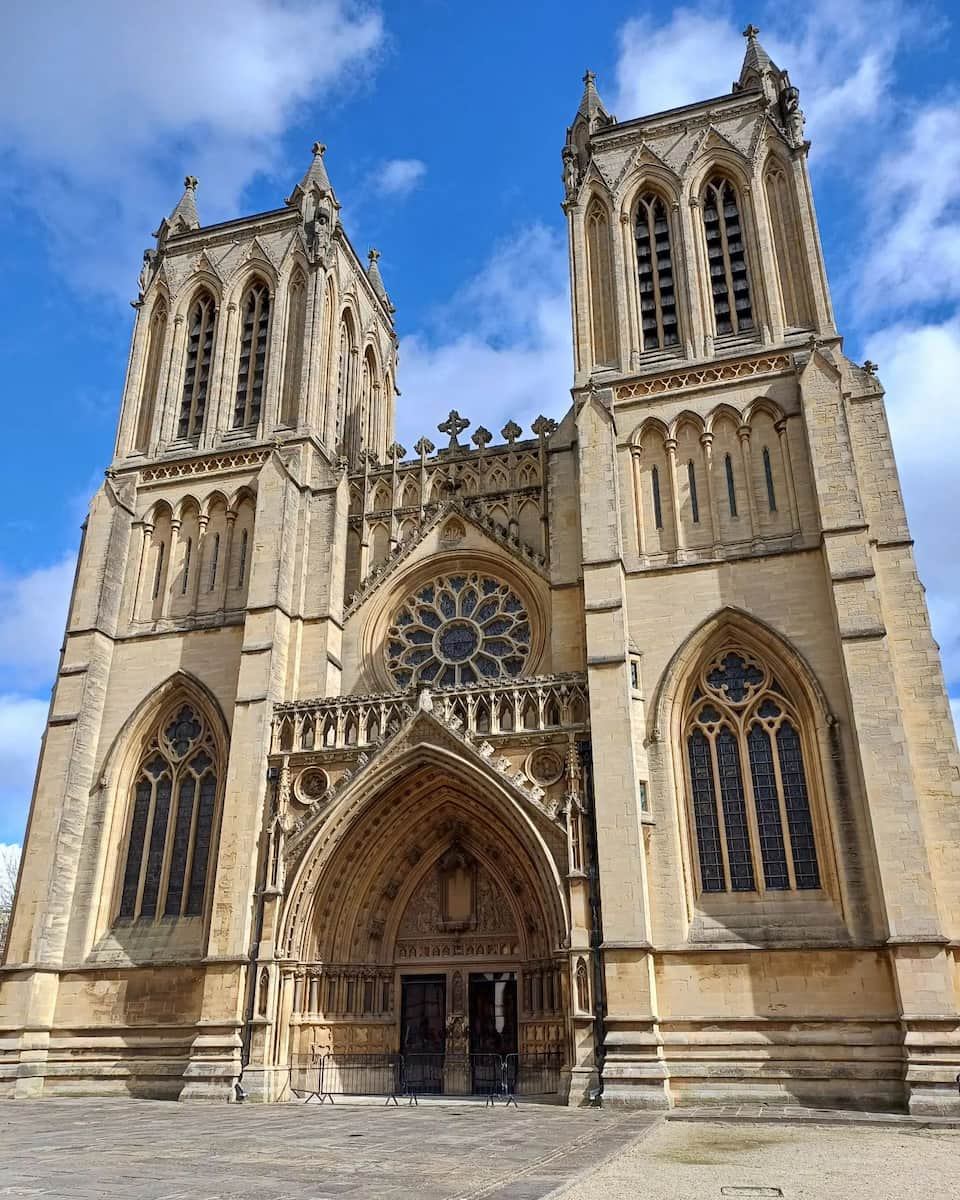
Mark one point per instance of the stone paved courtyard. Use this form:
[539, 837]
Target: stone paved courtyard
[145, 1150]
[152, 1150]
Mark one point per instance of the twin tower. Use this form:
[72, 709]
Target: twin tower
[616, 749]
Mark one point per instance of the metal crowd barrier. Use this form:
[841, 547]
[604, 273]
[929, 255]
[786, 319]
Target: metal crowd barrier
[491, 1076]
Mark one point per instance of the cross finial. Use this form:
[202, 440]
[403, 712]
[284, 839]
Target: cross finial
[453, 425]
[751, 32]
[191, 182]
[319, 148]
[373, 254]
[589, 77]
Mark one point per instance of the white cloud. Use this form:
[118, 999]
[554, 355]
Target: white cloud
[399, 176]
[33, 610]
[694, 55]
[108, 105]
[920, 366]
[22, 719]
[914, 237]
[502, 347]
[840, 58]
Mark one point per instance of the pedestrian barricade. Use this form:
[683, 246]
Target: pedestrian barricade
[490, 1076]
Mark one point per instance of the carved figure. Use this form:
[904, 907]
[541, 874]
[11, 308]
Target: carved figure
[571, 173]
[146, 272]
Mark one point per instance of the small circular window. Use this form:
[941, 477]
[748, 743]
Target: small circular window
[459, 628]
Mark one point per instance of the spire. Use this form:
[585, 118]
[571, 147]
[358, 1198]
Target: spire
[376, 279]
[317, 172]
[185, 215]
[591, 106]
[757, 64]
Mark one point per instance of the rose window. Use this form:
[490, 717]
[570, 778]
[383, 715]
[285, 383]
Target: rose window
[458, 629]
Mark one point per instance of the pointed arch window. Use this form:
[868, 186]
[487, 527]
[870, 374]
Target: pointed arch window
[747, 778]
[658, 303]
[345, 379]
[151, 376]
[196, 377]
[726, 255]
[600, 273]
[787, 248]
[171, 829]
[255, 315]
[293, 358]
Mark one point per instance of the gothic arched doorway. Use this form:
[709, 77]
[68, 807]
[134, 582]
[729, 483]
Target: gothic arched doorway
[427, 916]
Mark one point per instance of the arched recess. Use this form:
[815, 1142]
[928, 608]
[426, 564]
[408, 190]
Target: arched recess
[347, 427]
[214, 558]
[185, 871]
[786, 678]
[156, 563]
[797, 306]
[374, 896]
[240, 563]
[603, 315]
[653, 493]
[150, 386]
[729, 483]
[692, 486]
[295, 349]
[770, 467]
[184, 568]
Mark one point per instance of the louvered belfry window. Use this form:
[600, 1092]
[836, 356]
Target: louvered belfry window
[196, 376]
[658, 303]
[726, 254]
[255, 311]
[748, 780]
[172, 823]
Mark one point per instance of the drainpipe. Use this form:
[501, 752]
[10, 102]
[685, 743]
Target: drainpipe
[273, 774]
[596, 915]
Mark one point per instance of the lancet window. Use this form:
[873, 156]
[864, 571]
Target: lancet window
[196, 377]
[151, 375]
[293, 358]
[600, 265]
[255, 315]
[748, 780]
[173, 807]
[658, 304]
[726, 255]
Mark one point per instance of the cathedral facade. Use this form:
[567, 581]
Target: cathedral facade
[619, 742]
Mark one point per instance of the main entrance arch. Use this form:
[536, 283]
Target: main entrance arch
[428, 912]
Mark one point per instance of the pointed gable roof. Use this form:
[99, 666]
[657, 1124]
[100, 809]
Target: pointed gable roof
[757, 63]
[591, 106]
[376, 279]
[316, 178]
[185, 215]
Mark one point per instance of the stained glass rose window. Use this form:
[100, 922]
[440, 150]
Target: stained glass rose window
[459, 628]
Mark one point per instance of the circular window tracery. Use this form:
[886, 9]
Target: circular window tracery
[458, 628]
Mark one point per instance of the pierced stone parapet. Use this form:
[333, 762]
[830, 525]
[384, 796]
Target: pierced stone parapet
[541, 704]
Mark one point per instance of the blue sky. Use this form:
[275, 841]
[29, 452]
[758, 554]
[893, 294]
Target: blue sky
[444, 123]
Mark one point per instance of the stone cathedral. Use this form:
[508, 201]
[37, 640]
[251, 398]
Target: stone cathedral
[620, 739]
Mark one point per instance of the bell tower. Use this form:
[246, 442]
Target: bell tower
[736, 481]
